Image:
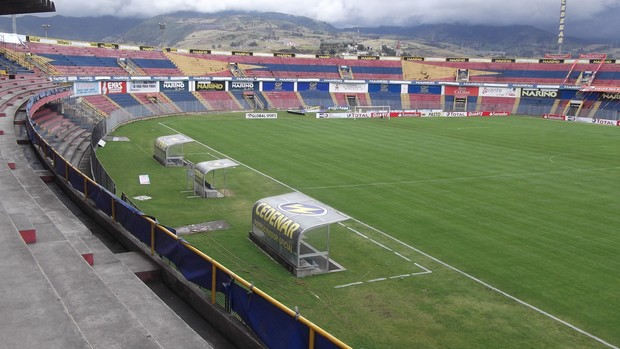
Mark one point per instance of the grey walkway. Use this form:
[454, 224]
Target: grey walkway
[51, 296]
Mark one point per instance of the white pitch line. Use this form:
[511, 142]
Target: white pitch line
[239, 162]
[402, 276]
[380, 244]
[505, 294]
[347, 285]
[403, 257]
[428, 271]
[493, 288]
[357, 232]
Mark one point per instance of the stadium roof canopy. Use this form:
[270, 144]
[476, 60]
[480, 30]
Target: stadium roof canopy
[13, 7]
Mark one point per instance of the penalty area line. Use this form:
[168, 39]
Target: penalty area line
[505, 294]
[395, 277]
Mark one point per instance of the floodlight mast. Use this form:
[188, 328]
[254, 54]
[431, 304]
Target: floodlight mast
[561, 28]
[162, 27]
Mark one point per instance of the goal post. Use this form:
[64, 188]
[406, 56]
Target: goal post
[372, 111]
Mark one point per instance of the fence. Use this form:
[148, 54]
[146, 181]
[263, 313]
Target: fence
[275, 324]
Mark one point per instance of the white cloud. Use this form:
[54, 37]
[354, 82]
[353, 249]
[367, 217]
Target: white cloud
[363, 12]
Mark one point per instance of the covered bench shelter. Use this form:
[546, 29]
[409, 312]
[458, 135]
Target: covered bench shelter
[207, 189]
[169, 150]
[294, 229]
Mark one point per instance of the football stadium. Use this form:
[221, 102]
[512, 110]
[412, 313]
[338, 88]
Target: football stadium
[309, 201]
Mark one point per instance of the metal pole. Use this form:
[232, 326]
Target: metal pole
[46, 27]
[162, 27]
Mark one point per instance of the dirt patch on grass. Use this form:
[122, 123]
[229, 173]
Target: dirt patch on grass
[202, 227]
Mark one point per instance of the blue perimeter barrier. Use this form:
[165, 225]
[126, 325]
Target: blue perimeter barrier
[276, 325]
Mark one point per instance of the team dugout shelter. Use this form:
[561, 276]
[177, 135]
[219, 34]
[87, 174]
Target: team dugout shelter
[204, 188]
[169, 150]
[294, 229]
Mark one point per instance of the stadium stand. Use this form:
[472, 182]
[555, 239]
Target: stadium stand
[282, 99]
[185, 101]
[71, 138]
[499, 104]
[221, 100]
[102, 103]
[386, 98]
[63, 287]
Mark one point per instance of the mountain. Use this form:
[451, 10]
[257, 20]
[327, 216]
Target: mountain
[270, 32]
[76, 28]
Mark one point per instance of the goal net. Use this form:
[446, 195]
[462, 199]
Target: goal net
[372, 111]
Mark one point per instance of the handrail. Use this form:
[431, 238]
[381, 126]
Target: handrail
[80, 182]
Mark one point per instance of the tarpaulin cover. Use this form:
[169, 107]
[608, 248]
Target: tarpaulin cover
[276, 328]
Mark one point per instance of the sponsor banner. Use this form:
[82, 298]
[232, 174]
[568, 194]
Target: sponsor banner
[33, 38]
[610, 89]
[283, 54]
[350, 88]
[605, 122]
[242, 53]
[557, 56]
[424, 89]
[430, 112]
[323, 56]
[454, 114]
[598, 61]
[112, 87]
[379, 114]
[413, 59]
[107, 45]
[539, 93]
[368, 58]
[86, 88]
[571, 94]
[478, 113]
[551, 60]
[461, 91]
[174, 86]
[498, 92]
[598, 56]
[610, 96]
[278, 86]
[503, 60]
[334, 115]
[210, 86]
[143, 87]
[554, 116]
[405, 114]
[199, 51]
[385, 87]
[63, 42]
[242, 85]
[147, 48]
[312, 86]
[261, 115]
[457, 59]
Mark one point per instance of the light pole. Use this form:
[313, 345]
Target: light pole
[46, 27]
[162, 27]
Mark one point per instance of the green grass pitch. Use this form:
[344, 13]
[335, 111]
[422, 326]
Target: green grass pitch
[465, 232]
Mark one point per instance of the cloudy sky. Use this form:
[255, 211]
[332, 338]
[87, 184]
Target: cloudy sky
[345, 13]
